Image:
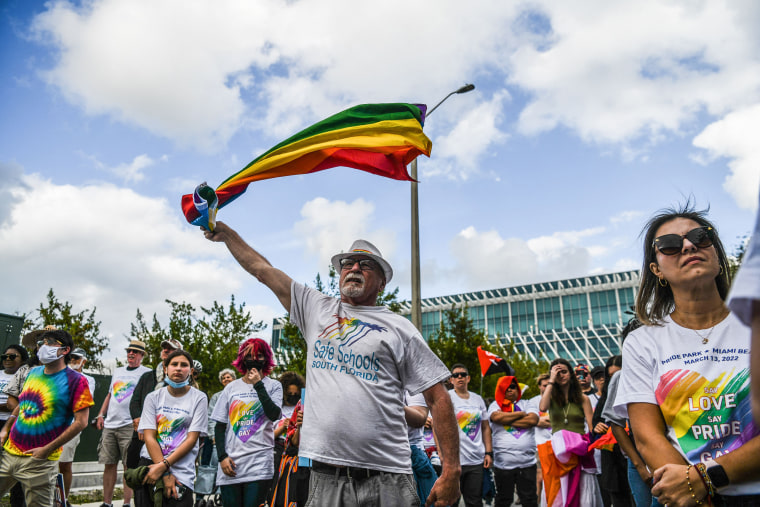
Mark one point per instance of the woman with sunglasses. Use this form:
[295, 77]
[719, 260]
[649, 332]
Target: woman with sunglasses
[567, 465]
[685, 377]
[12, 359]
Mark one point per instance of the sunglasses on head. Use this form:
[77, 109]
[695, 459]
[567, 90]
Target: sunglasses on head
[364, 264]
[671, 244]
[10, 357]
[460, 374]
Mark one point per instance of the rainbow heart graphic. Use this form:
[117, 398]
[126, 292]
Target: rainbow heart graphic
[171, 433]
[710, 417]
[246, 418]
[123, 390]
[469, 423]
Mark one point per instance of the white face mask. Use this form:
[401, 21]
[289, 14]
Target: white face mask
[47, 354]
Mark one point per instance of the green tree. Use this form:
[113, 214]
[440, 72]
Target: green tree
[457, 341]
[212, 336]
[291, 353]
[83, 327]
[735, 259]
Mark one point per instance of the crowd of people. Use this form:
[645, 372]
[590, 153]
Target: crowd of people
[386, 423]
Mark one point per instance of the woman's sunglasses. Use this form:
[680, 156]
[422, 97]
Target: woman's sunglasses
[671, 244]
[9, 357]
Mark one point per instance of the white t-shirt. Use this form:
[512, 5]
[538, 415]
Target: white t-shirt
[416, 434]
[702, 390]
[513, 447]
[249, 439]
[470, 413]
[173, 418]
[123, 384]
[360, 360]
[745, 288]
[4, 379]
[541, 434]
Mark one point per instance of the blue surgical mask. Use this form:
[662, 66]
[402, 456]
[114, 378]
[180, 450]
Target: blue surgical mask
[177, 385]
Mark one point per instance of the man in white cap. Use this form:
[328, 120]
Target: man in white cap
[78, 360]
[361, 359]
[115, 420]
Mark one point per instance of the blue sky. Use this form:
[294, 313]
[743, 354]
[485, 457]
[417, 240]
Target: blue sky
[586, 119]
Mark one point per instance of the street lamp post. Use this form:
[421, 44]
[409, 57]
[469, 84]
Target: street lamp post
[416, 297]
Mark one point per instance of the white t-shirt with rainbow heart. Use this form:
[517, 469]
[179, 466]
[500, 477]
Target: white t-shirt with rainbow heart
[702, 388]
[249, 439]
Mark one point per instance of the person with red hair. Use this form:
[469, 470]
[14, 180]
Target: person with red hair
[244, 432]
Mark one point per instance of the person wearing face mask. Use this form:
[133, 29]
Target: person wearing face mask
[172, 421]
[115, 420]
[146, 385]
[54, 406]
[78, 359]
[292, 383]
[244, 433]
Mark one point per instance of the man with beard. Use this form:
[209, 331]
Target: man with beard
[361, 358]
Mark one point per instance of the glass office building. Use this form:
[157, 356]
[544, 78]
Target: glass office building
[579, 319]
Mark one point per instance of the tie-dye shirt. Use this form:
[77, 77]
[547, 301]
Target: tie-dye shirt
[173, 418]
[470, 414]
[702, 389]
[123, 383]
[249, 439]
[46, 409]
[513, 447]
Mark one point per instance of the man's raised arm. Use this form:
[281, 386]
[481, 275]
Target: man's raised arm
[253, 262]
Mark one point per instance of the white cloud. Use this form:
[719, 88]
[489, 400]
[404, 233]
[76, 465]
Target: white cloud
[486, 260]
[625, 217]
[735, 137]
[470, 139]
[614, 71]
[329, 227]
[187, 73]
[133, 171]
[106, 247]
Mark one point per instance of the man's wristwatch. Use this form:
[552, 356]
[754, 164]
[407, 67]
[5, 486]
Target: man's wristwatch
[489, 453]
[717, 475]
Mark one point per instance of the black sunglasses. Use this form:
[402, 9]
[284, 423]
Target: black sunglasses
[461, 374]
[10, 357]
[364, 264]
[671, 244]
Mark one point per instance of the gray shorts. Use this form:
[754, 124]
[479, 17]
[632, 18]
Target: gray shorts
[386, 489]
[113, 445]
[69, 449]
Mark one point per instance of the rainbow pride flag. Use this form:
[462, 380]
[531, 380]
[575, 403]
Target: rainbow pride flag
[377, 138]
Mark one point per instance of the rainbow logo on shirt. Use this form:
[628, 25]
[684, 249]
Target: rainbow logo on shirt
[469, 423]
[349, 329]
[171, 433]
[710, 417]
[123, 390]
[515, 432]
[246, 418]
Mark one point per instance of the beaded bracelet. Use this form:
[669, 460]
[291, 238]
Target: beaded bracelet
[709, 486]
[688, 483]
[166, 462]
